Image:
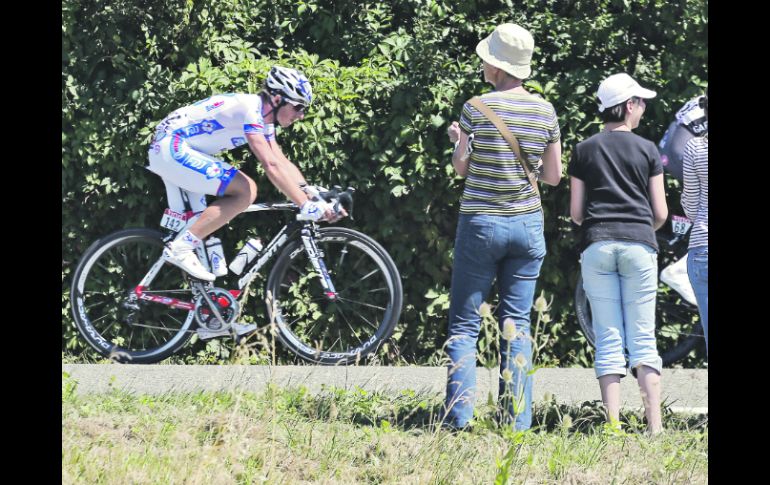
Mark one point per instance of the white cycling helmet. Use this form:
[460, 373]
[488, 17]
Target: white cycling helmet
[291, 84]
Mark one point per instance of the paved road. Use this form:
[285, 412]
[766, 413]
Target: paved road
[683, 389]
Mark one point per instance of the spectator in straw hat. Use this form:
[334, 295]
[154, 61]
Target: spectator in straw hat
[500, 228]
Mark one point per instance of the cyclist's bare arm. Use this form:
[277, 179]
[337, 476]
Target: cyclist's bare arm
[291, 167]
[281, 172]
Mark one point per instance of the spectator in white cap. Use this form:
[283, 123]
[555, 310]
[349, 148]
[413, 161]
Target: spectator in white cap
[617, 196]
[500, 228]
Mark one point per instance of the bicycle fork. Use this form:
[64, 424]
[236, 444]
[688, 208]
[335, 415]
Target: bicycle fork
[316, 259]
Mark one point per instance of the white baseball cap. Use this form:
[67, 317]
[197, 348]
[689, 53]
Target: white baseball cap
[618, 88]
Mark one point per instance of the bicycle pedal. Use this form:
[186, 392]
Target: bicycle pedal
[243, 328]
[206, 334]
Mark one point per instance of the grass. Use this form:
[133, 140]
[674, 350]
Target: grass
[340, 437]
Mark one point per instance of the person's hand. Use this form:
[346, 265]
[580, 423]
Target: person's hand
[315, 210]
[454, 132]
[332, 216]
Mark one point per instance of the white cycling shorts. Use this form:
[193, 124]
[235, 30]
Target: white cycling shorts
[176, 162]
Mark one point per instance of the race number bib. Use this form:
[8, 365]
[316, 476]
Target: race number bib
[174, 220]
[680, 225]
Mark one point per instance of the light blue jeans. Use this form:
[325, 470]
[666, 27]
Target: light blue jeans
[621, 282]
[698, 272]
[510, 249]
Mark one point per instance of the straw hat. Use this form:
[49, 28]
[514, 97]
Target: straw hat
[508, 48]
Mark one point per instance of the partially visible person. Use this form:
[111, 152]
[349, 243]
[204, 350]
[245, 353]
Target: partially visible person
[617, 196]
[690, 122]
[695, 202]
[500, 229]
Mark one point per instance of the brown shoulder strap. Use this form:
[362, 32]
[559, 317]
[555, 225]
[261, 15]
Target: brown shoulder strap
[477, 103]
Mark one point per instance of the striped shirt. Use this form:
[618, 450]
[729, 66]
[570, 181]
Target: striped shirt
[695, 196]
[496, 182]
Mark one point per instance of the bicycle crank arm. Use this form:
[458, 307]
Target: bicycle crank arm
[212, 306]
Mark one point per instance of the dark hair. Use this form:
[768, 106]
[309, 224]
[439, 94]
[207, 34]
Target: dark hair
[617, 112]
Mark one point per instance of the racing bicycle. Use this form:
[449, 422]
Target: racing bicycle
[333, 293]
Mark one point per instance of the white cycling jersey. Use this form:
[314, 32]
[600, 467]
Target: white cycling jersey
[185, 142]
[218, 123]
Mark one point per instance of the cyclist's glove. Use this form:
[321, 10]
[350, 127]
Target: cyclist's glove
[314, 210]
[314, 191]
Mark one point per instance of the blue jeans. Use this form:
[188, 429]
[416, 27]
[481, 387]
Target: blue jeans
[698, 272]
[621, 282]
[510, 249]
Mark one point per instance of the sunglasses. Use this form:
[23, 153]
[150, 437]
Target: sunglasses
[298, 108]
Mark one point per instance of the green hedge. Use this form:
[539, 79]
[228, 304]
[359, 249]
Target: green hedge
[388, 78]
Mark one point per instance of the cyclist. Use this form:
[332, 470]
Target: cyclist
[182, 154]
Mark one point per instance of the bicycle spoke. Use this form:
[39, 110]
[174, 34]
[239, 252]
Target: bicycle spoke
[88, 307]
[360, 258]
[170, 331]
[343, 253]
[156, 338]
[104, 268]
[295, 321]
[125, 259]
[353, 285]
[100, 318]
[172, 317]
[104, 293]
[384, 288]
[298, 271]
[309, 331]
[352, 330]
[108, 326]
[348, 300]
[375, 327]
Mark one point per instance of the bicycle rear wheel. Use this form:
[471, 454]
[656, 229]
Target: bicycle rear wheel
[105, 308]
[353, 325]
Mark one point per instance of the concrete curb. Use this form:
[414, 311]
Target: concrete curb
[685, 390]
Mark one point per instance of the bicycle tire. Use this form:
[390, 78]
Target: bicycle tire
[296, 304]
[670, 354]
[104, 278]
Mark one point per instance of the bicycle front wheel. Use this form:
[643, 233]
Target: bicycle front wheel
[106, 310]
[350, 326]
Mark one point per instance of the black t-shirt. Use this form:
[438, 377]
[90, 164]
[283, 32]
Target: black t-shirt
[615, 167]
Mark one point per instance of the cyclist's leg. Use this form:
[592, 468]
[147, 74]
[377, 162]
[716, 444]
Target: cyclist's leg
[199, 174]
[239, 194]
[176, 199]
